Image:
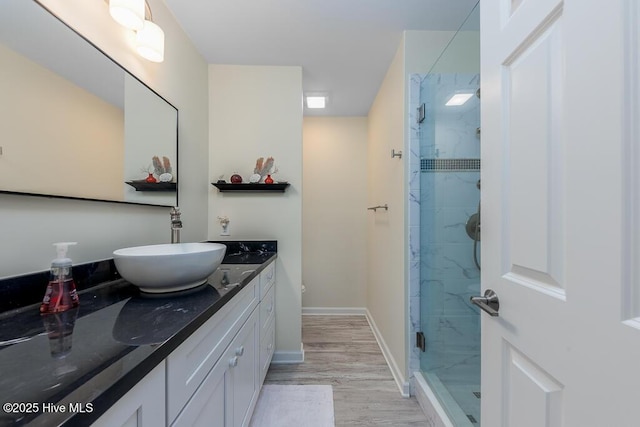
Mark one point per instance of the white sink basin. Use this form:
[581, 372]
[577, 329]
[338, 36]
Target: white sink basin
[169, 267]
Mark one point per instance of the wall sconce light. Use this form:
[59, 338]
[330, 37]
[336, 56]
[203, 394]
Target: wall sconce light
[150, 42]
[128, 13]
[136, 15]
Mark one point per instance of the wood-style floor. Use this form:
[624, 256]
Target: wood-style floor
[342, 351]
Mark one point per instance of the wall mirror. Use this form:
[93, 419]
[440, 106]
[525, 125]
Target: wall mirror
[73, 122]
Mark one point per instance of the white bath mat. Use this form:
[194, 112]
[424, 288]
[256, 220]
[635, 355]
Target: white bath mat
[294, 406]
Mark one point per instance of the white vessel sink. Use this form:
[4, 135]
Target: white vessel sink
[169, 267]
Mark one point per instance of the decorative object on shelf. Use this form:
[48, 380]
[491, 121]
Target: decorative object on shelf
[276, 187]
[255, 178]
[264, 167]
[268, 180]
[224, 223]
[236, 179]
[162, 169]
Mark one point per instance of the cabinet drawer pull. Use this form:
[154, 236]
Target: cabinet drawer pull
[233, 362]
[240, 351]
[270, 309]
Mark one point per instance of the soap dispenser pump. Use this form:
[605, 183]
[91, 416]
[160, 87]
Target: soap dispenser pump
[61, 292]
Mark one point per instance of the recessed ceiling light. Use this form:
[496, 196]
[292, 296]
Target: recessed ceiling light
[316, 101]
[458, 99]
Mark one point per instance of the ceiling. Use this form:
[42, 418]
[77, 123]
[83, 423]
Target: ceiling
[343, 46]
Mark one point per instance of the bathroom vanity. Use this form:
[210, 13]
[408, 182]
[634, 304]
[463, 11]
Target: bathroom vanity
[197, 357]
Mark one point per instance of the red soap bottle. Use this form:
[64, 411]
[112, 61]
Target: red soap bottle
[61, 292]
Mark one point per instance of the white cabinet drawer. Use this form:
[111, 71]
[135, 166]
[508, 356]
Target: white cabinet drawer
[267, 347]
[267, 278]
[267, 310]
[189, 364]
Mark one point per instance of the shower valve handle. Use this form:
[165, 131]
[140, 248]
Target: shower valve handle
[489, 302]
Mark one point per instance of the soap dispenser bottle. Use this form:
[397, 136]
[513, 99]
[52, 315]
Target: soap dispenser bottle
[61, 292]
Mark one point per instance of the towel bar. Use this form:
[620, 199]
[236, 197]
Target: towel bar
[375, 208]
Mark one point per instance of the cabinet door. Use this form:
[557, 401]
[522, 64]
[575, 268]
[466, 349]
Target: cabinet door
[207, 406]
[191, 362]
[243, 385]
[267, 344]
[142, 406]
[267, 311]
[228, 394]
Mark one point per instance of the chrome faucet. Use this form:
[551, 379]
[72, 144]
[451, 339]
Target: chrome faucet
[176, 224]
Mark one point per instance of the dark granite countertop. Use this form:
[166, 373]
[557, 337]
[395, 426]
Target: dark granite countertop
[94, 354]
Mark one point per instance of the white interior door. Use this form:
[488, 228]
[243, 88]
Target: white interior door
[560, 191]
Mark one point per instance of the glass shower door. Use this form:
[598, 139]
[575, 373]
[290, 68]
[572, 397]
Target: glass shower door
[449, 226]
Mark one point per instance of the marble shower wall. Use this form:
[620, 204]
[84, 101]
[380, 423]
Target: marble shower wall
[441, 201]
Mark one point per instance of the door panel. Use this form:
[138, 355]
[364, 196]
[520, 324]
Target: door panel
[532, 115]
[533, 398]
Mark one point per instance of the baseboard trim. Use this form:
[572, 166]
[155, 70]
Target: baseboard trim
[402, 384]
[288, 357]
[334, 311]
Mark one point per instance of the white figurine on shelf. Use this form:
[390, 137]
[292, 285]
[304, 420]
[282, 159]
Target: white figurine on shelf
[263, 168]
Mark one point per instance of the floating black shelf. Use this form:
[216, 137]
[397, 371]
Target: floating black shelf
[278, 187]
[153, 186]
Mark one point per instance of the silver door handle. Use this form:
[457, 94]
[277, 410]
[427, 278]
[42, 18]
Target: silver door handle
[489, 302]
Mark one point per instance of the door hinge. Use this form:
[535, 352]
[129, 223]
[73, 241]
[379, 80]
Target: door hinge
[421, 342]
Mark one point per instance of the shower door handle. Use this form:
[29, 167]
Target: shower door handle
[489, 302]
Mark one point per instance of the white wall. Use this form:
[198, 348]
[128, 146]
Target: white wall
[334, 212]
[30, 224]
[387, 232]
[256, 111]
[386, 240]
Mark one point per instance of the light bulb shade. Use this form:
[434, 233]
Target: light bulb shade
[150, 42]
[128, 13]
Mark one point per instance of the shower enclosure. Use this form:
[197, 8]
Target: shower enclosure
[446, 134]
